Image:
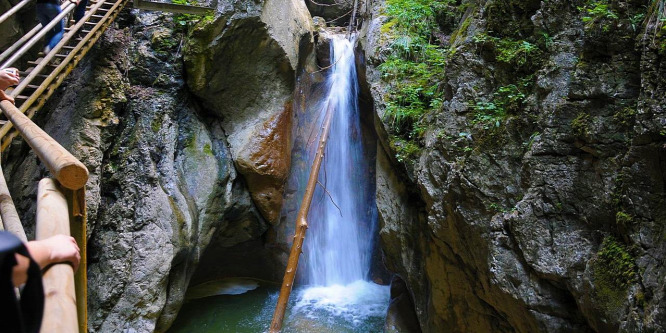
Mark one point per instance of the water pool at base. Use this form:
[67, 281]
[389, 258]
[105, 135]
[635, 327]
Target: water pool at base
[357, 307]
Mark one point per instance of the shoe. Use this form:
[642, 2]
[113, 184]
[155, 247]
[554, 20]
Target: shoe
[47, 49]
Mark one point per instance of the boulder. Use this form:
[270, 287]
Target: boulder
[243, 68]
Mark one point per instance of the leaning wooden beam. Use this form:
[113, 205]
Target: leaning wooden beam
[301, 227]
[69, 171]
[60, 314]
[10, 218]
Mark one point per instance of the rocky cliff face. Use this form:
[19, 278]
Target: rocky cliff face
[549, 215]
[164, 163]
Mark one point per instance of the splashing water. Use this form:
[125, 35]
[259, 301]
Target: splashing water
[339, 242]
[333, 294]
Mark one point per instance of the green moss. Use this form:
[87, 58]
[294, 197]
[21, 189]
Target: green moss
[184, 21]
[520, 53]
[177, 213]
[598, 14]
[388, 26]
[506, 100]
[461, 31]
[625, 117]
[156, 124]
[581, 124]
[623, 219]
[207, 149]
[406, 151]
[614, 271]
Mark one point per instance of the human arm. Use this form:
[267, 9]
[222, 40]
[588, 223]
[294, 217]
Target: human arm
[52, 250]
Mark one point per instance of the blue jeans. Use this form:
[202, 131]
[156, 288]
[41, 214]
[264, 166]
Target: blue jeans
[46, 12]
[80, 10]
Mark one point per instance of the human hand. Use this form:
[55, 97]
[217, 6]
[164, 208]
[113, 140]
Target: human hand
[8, 77]
[4, 96]
[64, 248]
[55, 249]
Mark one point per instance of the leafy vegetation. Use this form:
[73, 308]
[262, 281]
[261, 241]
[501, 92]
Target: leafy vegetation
[507, 100]
[598, 14]
[581, 124]
[623, 219]
[625, 117]
[614, 271]
[413, 69]
[508, 50]
[184, 21]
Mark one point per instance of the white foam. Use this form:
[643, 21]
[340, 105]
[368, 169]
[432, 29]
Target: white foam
[354, 302]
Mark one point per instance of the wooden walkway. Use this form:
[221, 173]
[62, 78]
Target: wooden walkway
[45, 74]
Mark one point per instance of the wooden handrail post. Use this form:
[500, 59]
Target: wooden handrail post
[69, 171]
[301, 227]
[10, 218]
[60, 315]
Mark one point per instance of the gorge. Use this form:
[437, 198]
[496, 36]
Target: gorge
[517, 155]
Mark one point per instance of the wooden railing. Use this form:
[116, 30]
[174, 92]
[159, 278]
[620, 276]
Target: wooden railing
[60, 210]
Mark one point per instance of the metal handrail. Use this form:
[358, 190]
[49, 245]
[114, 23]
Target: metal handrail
[20, 42]
[24, 38]
[68, 8]
[13, 10]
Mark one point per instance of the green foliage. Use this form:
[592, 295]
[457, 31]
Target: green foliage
[623, 219]
[614, 271]
[508, 50]
[506, 100]
[156, 124]
[405, 150]
[207, 149]
[581, 124]
[413, 69]
[598, 13]
[184, 21]
[625, 117]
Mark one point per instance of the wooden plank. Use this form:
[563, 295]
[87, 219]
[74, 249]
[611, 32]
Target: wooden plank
[78, 223]
[60, 314]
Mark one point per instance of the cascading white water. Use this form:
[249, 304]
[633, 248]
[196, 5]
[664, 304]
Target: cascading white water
[342, 217]
[334, 294]
[338, 242]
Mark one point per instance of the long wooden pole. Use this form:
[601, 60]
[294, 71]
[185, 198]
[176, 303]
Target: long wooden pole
[60, 315]
[301, 227]
[69, 171]
[10, 218]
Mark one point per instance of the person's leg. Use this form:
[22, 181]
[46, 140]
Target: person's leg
[80, 10]
[42, 12]
[46, 12]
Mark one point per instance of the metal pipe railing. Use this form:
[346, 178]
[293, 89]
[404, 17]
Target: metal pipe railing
[301, 226]
[68, 8]
[13, 10]
[25, 82]
[23, 39]
[20, 42]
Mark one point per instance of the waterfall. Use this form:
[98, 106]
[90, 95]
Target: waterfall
[338, 243]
